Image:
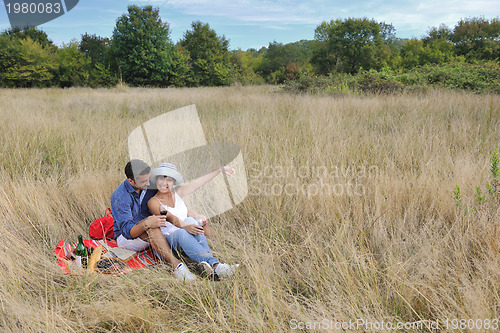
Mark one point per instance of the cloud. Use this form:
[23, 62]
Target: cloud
[257, 12]
[314, 11]
[410, 17]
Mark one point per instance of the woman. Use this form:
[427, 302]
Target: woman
[181, 229]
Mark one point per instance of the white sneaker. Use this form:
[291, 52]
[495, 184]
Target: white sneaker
[182, 273]
[225, 270]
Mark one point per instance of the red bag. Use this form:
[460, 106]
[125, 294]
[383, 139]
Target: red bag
[102, 227]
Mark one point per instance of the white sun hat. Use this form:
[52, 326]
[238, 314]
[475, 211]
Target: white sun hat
[169, 170]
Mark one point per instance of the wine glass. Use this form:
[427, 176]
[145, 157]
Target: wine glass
[163, 210]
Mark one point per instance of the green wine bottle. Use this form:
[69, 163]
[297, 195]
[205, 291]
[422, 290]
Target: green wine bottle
[81, 252]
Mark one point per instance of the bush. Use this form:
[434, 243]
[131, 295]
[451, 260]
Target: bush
[376, 82]
[478, 78]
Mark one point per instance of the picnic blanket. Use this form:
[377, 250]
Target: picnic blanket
[64, 252]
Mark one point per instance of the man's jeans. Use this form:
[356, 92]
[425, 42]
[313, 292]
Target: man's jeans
[194, 246]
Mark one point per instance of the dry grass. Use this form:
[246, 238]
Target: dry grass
[396, 250]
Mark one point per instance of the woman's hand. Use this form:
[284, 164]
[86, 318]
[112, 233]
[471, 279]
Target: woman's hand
[229, 170]
[198, 217]
[193, 229]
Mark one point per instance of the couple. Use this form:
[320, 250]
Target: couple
[136, 229]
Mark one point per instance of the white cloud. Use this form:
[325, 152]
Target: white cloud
[409, 17]
[257, 12]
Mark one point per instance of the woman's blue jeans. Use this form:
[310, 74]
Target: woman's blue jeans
[194, 246]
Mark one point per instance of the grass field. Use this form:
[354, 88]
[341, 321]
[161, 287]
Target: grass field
[350, 214]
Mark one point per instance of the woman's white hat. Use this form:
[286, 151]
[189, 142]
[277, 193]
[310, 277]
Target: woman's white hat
[169, 170]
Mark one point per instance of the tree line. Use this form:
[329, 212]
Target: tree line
[141, 53]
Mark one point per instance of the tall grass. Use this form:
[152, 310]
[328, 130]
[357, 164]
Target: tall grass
[394, 249]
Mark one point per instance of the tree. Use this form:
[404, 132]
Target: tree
[322, 58]
[437, 35]
[282, 62]
[439, 41]
[245, 65]
[74, 66]
[95, 48]
[182, 74]
[142, 47]
[415, 53]
[351, 44]
[36, 35]
[102, 69]
[210, 59]
[24, 63]
[477, 38]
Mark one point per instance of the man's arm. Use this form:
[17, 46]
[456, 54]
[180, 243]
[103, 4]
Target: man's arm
[121, 208]
[122, 214]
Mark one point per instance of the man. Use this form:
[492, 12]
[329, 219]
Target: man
[133, 230]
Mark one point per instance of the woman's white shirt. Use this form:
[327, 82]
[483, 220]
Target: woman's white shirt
[180, 210]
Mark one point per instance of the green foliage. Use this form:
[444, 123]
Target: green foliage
[333, 84]
[439, 41]
[29, 59]
[477, 78]
[35, 34]
[479, 196]
[352, 44]
[418, 53]
[209, 56]
[25, 63]
[245, 65]
[74, 66]
[96, 48]
[457, 196]
[142, 47]
[490, 202]
[437, 35]
[494, 171]
[181, 73]
[374, 61]
[494, 165]
[102, 76]
[376, 82]
[477, 38]
[284, 62]
[102, 65]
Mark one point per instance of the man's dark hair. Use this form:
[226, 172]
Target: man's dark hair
[136, 168]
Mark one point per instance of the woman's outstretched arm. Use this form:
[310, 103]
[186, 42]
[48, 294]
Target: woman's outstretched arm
[188, 188]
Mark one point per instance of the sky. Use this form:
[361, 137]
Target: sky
[253, 24]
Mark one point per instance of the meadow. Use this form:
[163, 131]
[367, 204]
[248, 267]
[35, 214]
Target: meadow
[350, 215]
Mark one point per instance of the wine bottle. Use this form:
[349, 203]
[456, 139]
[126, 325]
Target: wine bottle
[81, 252]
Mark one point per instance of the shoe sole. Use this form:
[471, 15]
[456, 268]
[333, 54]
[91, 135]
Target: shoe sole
[207, 271]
